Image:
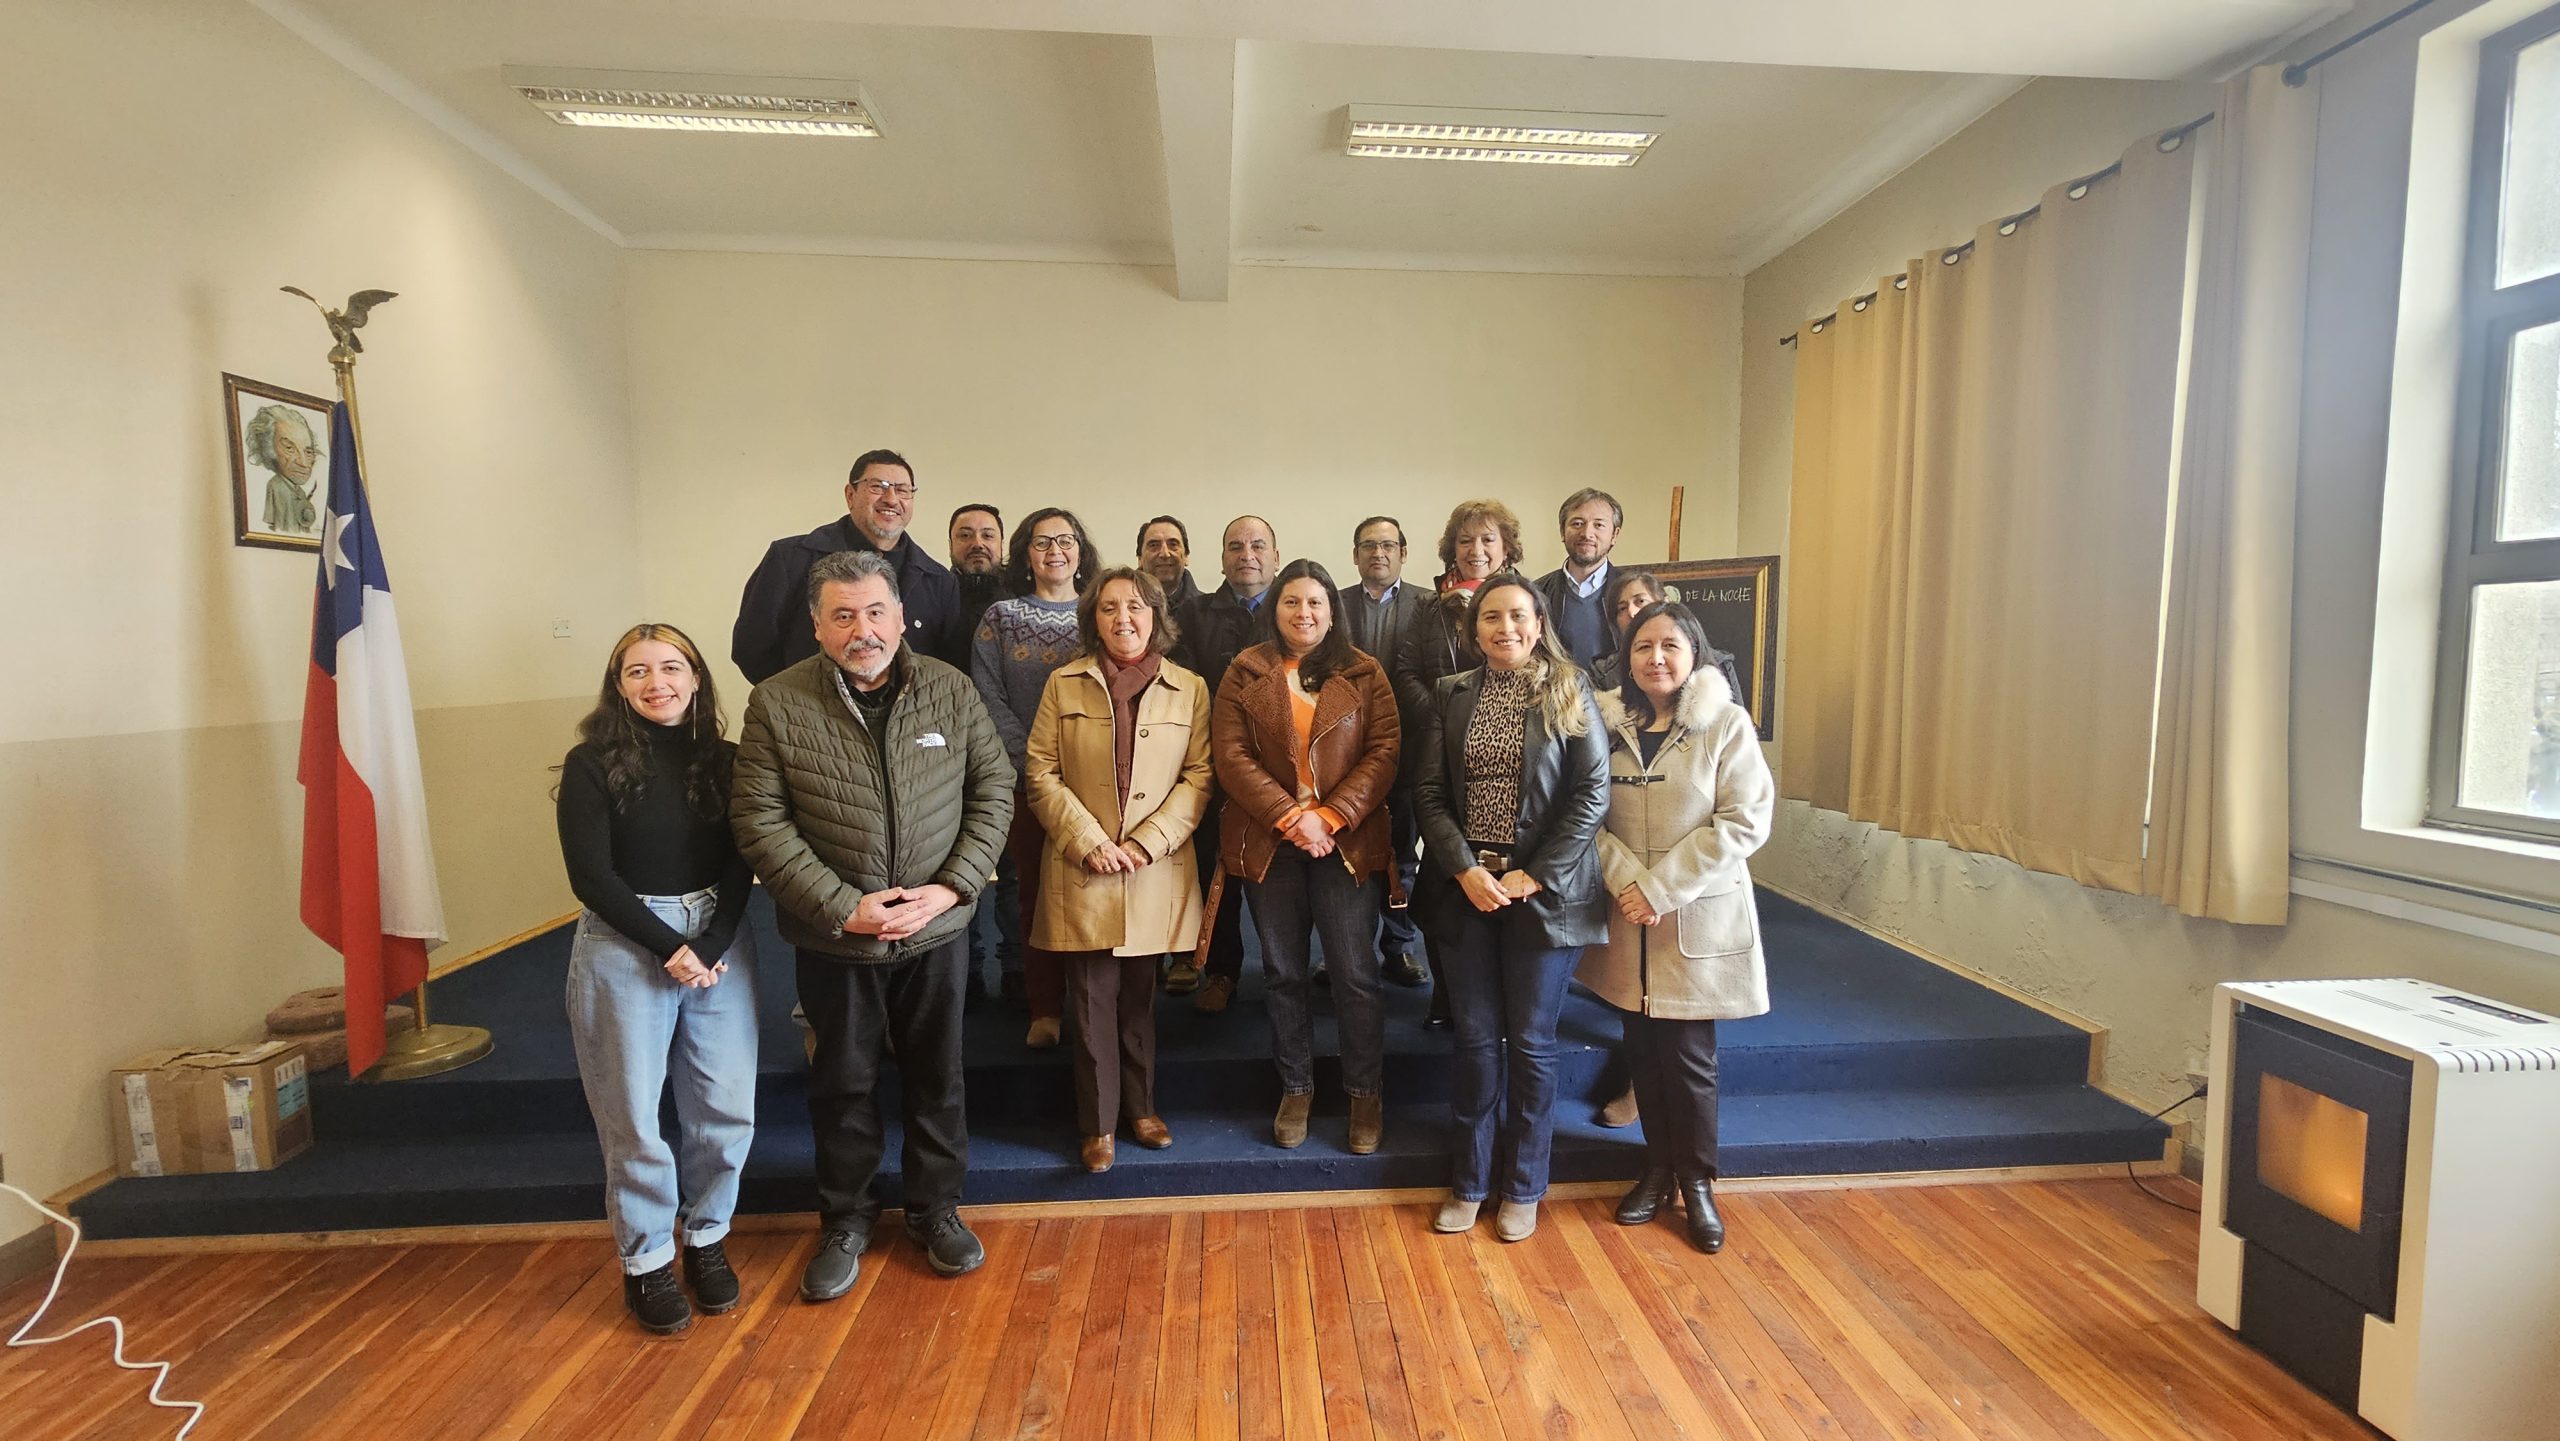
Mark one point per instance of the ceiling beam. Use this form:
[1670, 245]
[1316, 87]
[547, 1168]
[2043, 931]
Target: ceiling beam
[1196, 127]
[2154, 40]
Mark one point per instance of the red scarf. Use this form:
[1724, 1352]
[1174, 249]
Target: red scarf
[1125, 684]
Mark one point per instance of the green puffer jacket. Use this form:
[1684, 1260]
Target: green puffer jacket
[813, 818]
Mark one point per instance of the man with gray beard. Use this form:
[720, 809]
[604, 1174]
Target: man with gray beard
[872, 796]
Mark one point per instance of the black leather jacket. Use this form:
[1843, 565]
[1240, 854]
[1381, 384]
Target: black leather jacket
[1564, 799]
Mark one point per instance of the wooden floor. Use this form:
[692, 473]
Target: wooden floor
[2024, 1312]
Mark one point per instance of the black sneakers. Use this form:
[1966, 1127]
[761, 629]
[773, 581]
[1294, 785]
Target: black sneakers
[832, 1271]
[948, 1244]
[715, 1286]
[657, 1302]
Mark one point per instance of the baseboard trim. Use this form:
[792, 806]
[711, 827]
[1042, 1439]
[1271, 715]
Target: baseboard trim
[2097, 1033]
[539, 1231]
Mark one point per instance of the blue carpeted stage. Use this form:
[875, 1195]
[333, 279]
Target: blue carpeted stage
[1872, 1060]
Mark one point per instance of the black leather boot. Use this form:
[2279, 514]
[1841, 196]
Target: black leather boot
[1645, 1199]
[1705, 1225]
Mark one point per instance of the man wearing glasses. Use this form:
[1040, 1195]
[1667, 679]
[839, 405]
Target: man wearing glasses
[879, 499]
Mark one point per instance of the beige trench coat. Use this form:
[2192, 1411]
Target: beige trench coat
[1073, 785]
[1682, 831]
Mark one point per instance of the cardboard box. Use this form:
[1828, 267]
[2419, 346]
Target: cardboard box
[186, 1110]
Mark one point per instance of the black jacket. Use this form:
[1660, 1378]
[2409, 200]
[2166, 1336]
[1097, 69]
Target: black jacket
[1216, 627]
[774, 632]
[1564, 799]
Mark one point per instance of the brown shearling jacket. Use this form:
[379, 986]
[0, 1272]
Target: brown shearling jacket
[1353, 750]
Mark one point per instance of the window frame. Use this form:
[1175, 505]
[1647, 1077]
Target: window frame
[2491, 318]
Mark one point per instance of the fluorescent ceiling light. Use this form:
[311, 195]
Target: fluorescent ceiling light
[737, 104]
[1518, 137]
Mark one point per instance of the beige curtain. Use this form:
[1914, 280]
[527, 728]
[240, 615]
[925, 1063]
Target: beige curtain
[1846, 448]
[2219, 837]
[1982, 489]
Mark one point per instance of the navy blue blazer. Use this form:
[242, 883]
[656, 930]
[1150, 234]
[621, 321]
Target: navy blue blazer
[774, 631]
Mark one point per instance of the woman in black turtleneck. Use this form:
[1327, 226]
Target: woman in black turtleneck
[661, 981]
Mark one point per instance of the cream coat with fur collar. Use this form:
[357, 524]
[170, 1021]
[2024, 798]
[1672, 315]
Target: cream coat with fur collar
[1682, 830]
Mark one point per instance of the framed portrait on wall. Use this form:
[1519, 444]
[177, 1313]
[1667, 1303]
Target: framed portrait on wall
[279, 464]
[1736, 603]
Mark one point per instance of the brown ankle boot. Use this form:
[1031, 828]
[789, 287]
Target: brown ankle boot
[1368, 1123]
[1289, 1127]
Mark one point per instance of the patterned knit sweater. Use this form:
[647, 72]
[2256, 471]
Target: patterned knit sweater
[1019, 643]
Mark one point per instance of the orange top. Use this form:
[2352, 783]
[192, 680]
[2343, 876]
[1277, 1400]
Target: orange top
[1302, 717]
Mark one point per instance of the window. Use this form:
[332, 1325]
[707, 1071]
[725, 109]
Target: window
[2497, 747]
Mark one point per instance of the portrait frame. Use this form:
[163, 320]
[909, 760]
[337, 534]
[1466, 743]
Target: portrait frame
[1745, 625]
[253, 478]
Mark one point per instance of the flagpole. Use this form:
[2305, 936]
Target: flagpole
[425, 1049]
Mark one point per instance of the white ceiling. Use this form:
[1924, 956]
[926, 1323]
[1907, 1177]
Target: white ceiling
[1206, 134]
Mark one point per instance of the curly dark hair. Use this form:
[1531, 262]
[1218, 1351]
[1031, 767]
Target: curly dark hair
[622, 740]
[1017, 560]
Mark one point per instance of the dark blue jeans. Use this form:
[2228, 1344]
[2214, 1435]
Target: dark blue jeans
[1297, 898]
[1506, 991]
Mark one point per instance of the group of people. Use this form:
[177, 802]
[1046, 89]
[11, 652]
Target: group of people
[1101, 769]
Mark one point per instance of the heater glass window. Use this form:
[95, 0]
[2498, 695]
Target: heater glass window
[2311, 1150]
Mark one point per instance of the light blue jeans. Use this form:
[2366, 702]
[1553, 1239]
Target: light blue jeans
[635, 1029]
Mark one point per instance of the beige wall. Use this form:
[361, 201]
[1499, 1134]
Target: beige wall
[2122, 961]
[1311, 397]
[163, 168]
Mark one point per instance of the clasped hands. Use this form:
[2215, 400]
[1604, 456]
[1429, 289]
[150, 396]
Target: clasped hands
[900, 911]
[689, 971]
[1113, 858]
[1306, 830]
[1637, 910]
[1488, 892]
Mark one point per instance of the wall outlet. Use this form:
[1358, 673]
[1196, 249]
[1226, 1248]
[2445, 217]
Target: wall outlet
[2199, 1082]
[559, 630]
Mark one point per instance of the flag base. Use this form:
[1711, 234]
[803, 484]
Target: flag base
[430, 1051]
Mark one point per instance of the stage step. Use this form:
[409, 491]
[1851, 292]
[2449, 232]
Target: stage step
[1849, 1012]
[386, 1182]
[1871, 1060]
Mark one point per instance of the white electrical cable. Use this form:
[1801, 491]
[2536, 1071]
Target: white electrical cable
[20, 1338]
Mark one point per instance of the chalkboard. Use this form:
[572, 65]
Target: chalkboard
[1737, 603]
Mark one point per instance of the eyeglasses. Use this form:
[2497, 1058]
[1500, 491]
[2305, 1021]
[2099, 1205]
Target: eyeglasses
[903, 489]
[1046, 543]
[1378, 547]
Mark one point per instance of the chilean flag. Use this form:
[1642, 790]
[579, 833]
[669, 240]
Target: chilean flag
[368, 873]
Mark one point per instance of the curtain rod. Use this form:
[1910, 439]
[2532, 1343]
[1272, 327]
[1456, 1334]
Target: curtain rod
[2294, 75]
[2300, 70]
[2168, 140]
